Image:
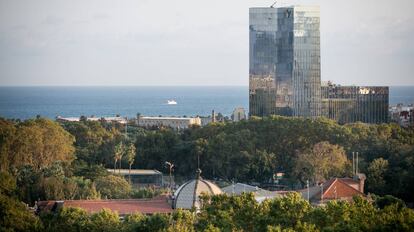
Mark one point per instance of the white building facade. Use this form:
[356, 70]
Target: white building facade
[238, 114]
[173, 122]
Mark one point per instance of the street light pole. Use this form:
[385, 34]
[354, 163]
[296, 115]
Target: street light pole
[126, 126]
[170, 167]
[307, 185]
[322, 193]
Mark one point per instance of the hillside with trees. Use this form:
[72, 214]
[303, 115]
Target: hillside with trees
[251, 151]
[42, 154]
[44, 160]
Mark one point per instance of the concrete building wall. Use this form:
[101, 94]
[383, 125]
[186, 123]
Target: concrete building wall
[238, 114]
[176, 123]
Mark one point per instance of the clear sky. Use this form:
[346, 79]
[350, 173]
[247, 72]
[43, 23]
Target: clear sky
[190, 42]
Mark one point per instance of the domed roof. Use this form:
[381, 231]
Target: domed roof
[187, 195]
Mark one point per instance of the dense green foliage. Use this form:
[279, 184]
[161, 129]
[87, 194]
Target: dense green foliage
[95, 144]
[251, 151]
[322, 162]
[53, 183]
[113, 187]
[243, 213]
[42, 159]
[41, 155]
[146, 192]
[35, 143]
[51, 162]
[14, 215]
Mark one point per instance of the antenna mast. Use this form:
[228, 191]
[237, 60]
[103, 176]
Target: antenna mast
[353, 163]
[357, 164]
[273, 4]
[198, 161]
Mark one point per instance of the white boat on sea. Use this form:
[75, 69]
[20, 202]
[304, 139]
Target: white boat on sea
[171, 102]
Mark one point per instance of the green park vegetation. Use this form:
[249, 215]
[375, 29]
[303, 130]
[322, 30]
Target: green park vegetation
[304, 149]
[44, 160]
[223, 213]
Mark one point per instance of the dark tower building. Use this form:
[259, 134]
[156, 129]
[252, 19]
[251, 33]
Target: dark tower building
[284, 73]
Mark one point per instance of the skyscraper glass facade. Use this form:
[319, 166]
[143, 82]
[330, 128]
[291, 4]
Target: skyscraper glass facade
[284, 72]
[347, 104]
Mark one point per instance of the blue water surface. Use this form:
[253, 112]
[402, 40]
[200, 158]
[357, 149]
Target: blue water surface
[27, 102]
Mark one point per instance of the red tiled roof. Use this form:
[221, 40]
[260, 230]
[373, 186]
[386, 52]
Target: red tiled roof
[327, 184]
[349, 181]
[339, 189]
[336, 188]
[124, 206]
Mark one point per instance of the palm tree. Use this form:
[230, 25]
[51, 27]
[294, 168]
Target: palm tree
[200, 148]
[121, 154]
[118, 152]
[130, 153]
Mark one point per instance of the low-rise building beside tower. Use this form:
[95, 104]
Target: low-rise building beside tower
[238, 114]
[402, 114]
[348, 104]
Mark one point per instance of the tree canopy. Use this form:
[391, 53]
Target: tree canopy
[42, 159]
[37, 143]
[244, 213]
[322, 162]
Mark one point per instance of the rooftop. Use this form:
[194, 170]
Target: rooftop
[123, 207]
[259, 193]
[135, 171]
[336, 188]
[77, 119]
[187, 195]
[284, 6]
[166, 118]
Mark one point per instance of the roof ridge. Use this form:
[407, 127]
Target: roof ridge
[179, 192]
[208, 185]
[325, 191]
[345, 184]
[351, 187]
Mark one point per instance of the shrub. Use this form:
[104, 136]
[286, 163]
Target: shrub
[113, 187]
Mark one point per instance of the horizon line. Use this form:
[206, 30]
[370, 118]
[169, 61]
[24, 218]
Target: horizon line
[124, 86]
[12, 86]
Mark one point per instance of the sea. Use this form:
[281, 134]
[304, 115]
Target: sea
[28, 102]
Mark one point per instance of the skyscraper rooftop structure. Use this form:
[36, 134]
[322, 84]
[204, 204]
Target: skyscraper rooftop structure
[284, 72]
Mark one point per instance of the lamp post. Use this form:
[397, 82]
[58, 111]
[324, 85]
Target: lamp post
[170, 167]
[307, 186]
[321, 193]
[126, 126]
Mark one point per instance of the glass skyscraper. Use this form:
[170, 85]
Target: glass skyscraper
[284, 72]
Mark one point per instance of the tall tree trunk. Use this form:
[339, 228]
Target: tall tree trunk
[130, 164]
[120, 166]
[114, 166]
